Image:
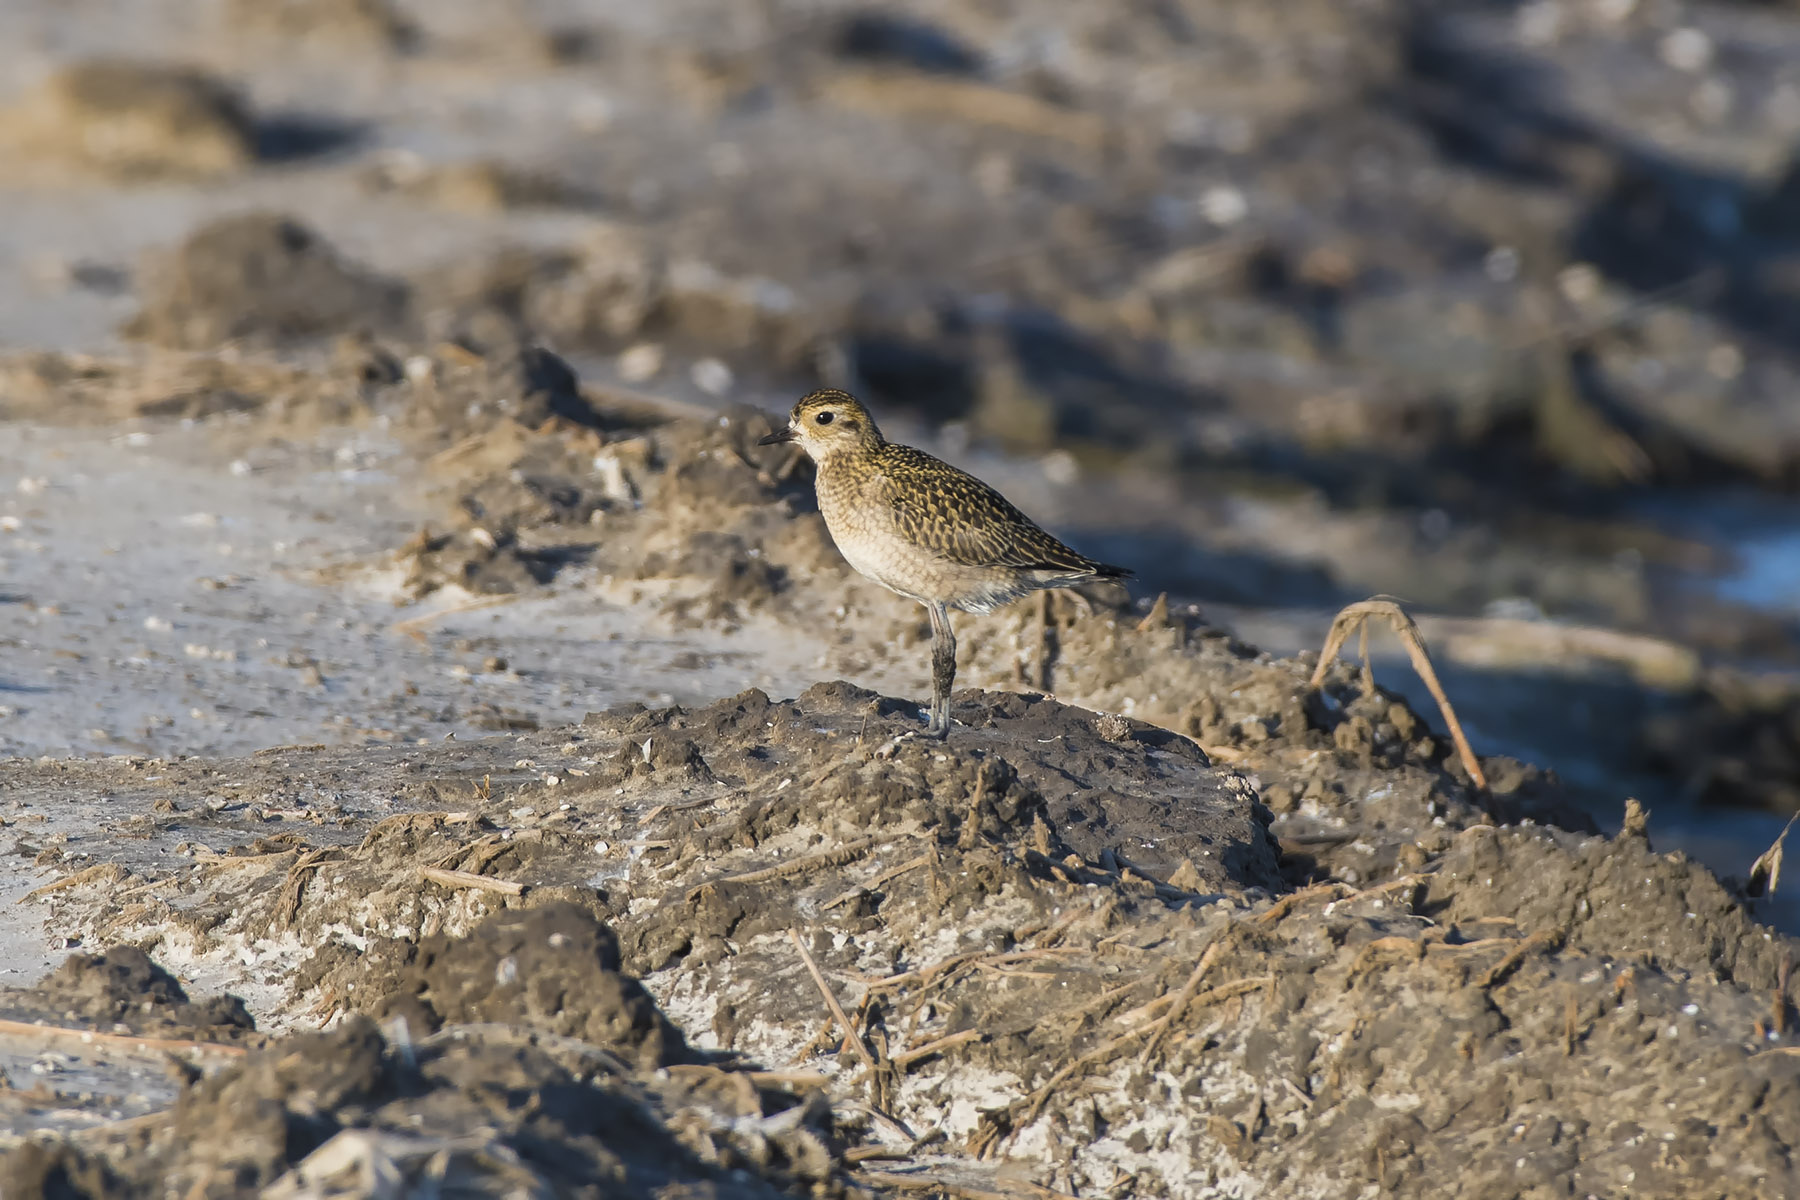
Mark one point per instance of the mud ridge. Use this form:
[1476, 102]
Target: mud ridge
[1063, 940]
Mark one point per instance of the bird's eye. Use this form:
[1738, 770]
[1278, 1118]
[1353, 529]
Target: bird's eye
[825, 418]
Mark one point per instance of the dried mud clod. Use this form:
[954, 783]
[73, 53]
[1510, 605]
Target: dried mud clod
[124, 988]
[464, 388]
[130, 120]
[554, 968]
[502, 1111]
[261, 277]
[475, 560]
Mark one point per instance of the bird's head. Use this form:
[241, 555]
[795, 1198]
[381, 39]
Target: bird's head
[828, 422]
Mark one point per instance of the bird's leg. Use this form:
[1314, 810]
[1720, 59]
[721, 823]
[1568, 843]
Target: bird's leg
[943, 670]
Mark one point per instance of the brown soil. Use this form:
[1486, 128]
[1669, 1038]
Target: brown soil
[1065, 938]
[501, 1103]
[123, 989]
[1159, 919]
[1070, 939]
[263, 277]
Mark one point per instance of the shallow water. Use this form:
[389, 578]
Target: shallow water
[1768, 574]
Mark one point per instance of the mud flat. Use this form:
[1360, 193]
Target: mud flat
[1192, 927]
[445, 748]
[606, 958]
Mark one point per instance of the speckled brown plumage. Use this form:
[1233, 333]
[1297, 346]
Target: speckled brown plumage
[952, 513]
[925, 529]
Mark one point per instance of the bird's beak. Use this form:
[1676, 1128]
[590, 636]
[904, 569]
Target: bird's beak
[784, 434]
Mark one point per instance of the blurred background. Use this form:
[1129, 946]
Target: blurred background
[1493, 307]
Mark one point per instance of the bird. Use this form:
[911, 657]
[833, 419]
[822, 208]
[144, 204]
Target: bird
[924, 529]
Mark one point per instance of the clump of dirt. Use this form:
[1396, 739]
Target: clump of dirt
[732, 523]
[131, 121]
[261, 277]
[476, 560]
[467, 387]
[502, 1112]
[748, 778]
[1606, 898]
[1360, 785]
[123, 987]
[525, 457]
[553, 968]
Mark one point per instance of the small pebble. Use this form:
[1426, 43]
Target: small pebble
[1687, 50]
[641, 363]
[712, 376]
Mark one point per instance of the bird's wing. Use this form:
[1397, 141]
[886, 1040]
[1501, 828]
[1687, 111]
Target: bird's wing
[953, 514]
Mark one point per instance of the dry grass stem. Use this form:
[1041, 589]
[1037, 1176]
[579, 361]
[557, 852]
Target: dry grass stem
[1158, 616]
[1543, 939]
[1354, 617]
[414, 626]
[1293, 900]
[25, 1029]
[293, 888]
[1765, 872]
[1781, 995]
[887, 876]
[931, 1183]
[110, 872]
[831, 1002]
[824, 858]
[917, 1053]
[468, 879]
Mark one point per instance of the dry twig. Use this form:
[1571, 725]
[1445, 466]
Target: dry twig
[964, 1191]
[414, 627]
[1179, 1007]
[1781, 995]
[293, 889]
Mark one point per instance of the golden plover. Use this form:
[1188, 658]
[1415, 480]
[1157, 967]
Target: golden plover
[924, 529]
